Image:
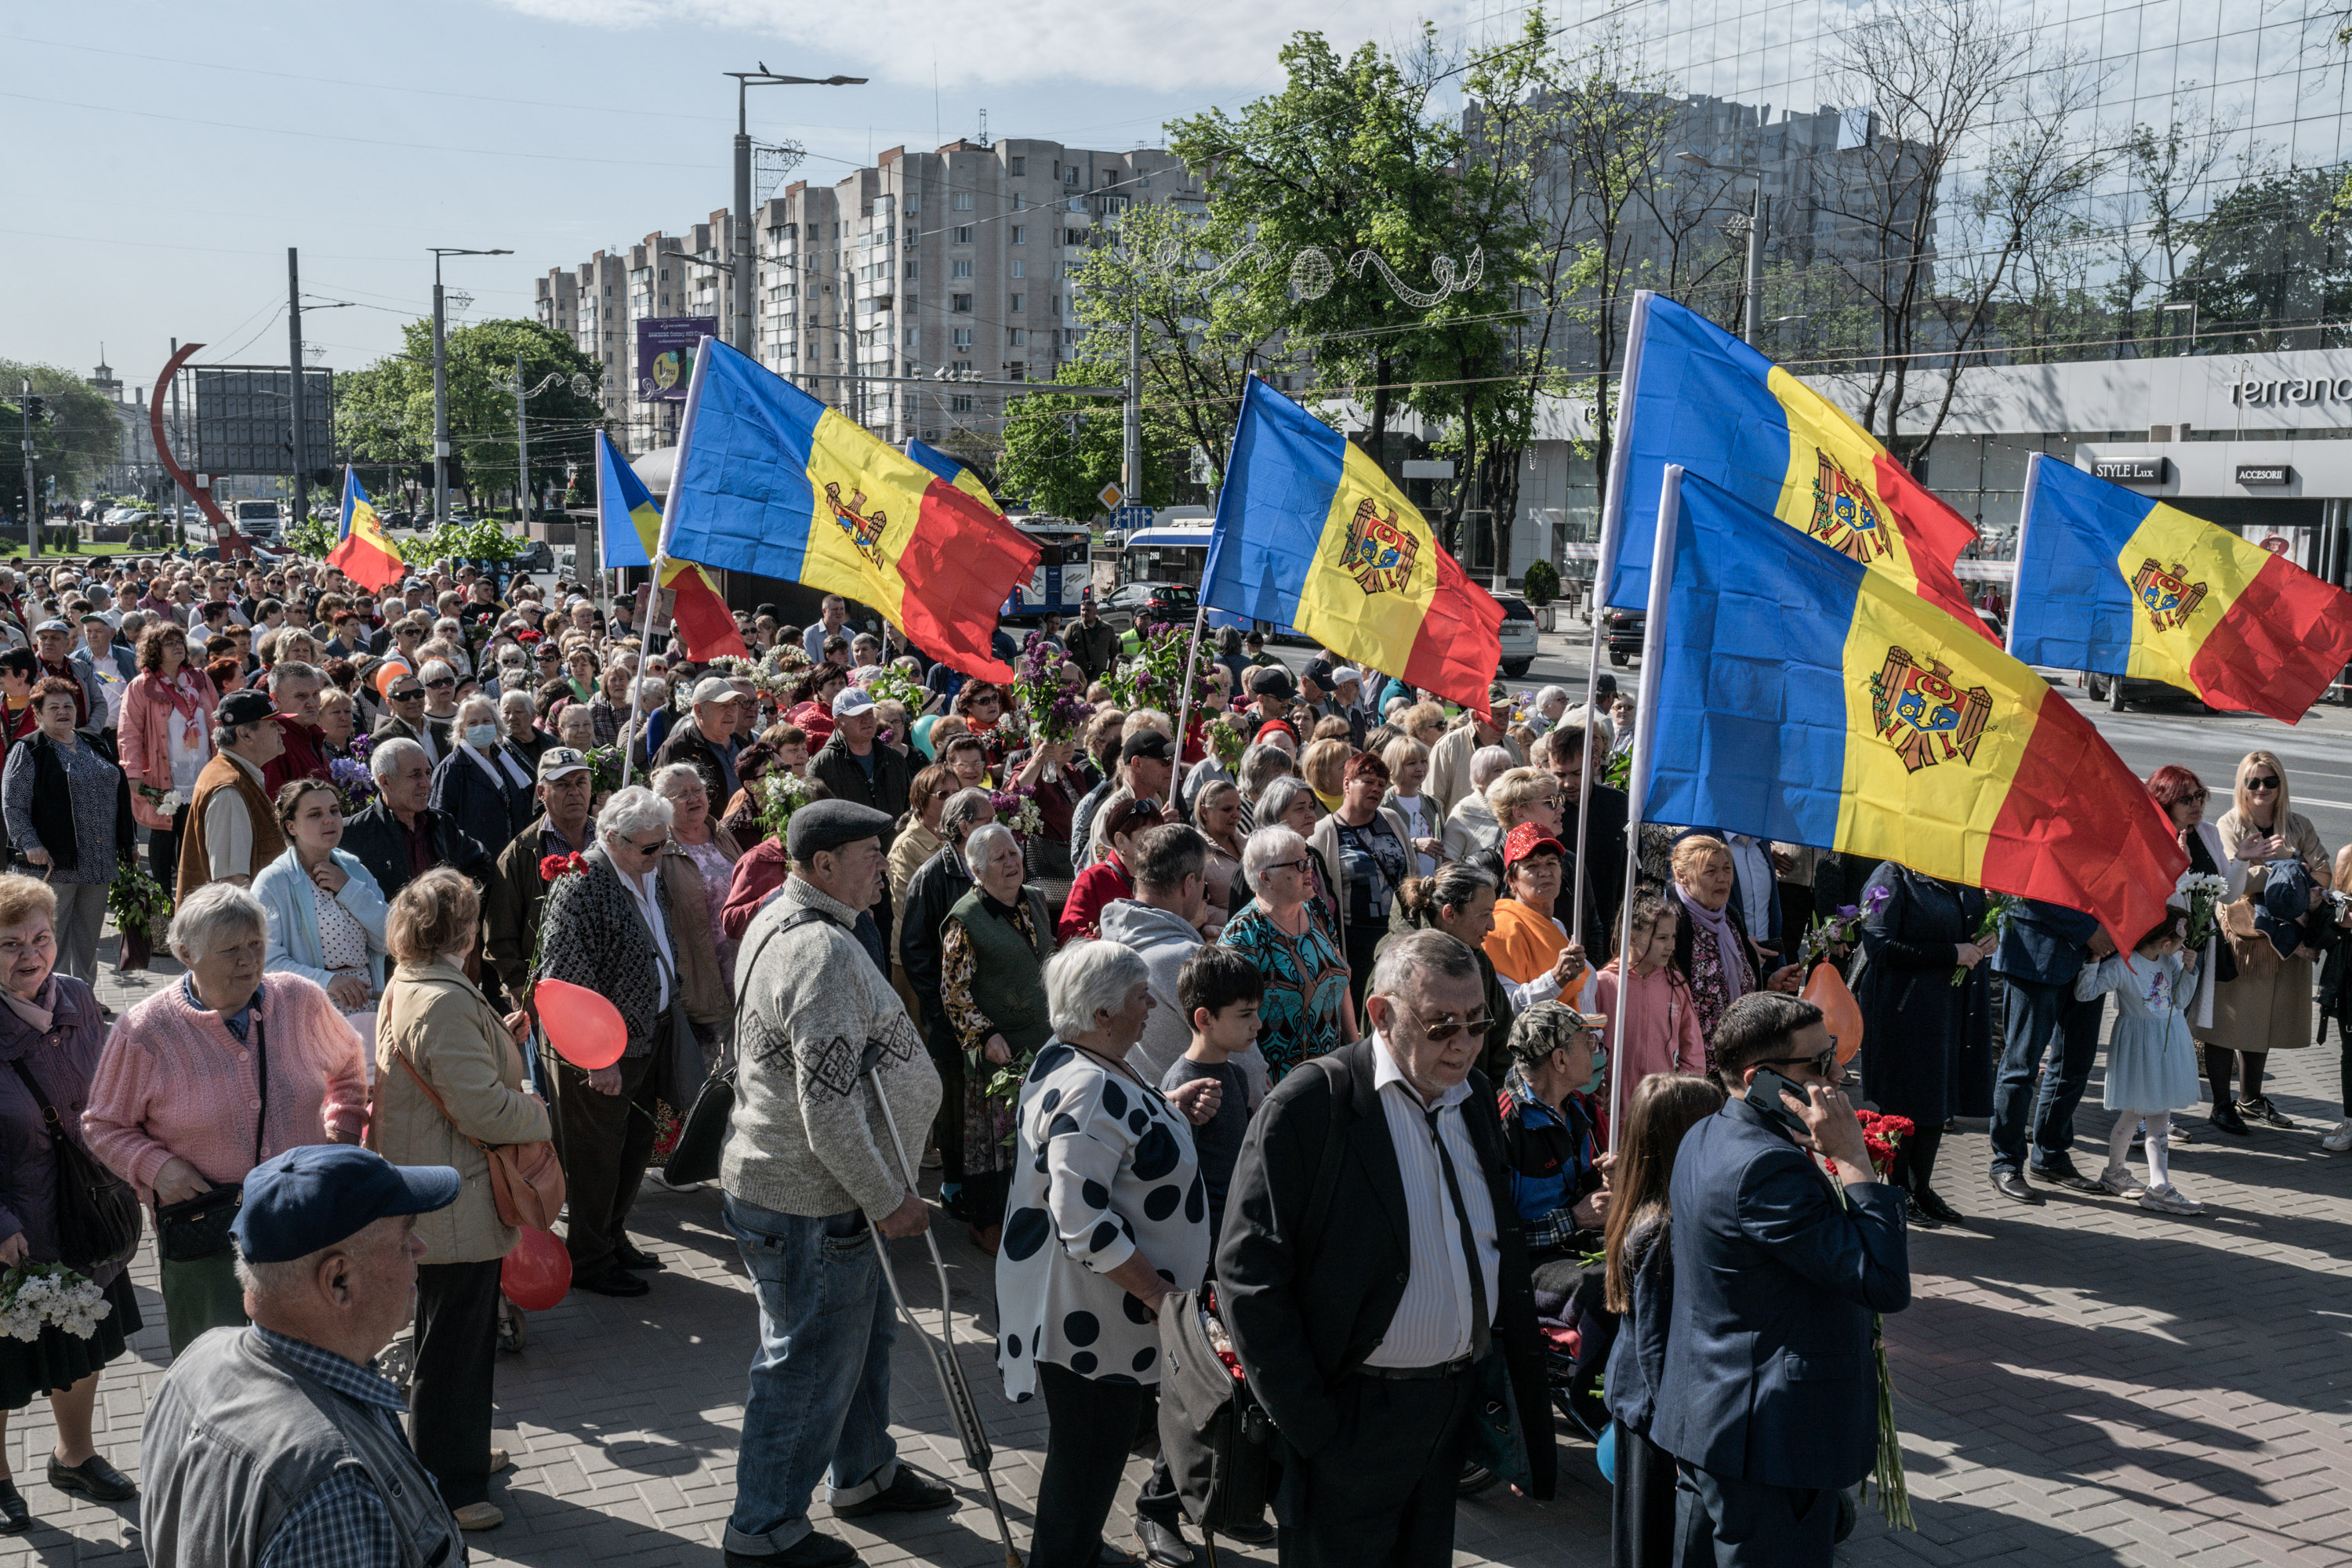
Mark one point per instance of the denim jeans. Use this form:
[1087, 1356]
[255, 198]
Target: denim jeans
[2038, 1015]
[820, 1395]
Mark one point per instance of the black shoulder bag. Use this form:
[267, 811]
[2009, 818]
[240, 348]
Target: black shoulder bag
[196, 1229]
[702, 1135]
[98, 1214]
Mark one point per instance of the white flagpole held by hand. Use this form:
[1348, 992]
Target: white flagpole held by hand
[661, 555]
[1613, 511]
[1637, 785]
[1184, 707]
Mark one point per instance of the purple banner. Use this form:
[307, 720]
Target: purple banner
[665, 347]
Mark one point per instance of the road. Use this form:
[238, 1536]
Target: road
[2318, 751]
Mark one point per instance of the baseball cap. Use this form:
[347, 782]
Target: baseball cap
[1345, 674]
[311, 1197]
[244, 708]
[557, 761]
[713, 688]
[852, 701]
[1526, 840]
[1147, 744]
[1271, 680]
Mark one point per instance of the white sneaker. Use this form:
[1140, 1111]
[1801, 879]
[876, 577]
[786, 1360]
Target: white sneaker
[2119, 1180]
[2169, 1200]
[2176, 1136]
[2340, 1139]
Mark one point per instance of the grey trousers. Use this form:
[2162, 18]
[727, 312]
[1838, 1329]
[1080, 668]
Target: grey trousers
[81, 911]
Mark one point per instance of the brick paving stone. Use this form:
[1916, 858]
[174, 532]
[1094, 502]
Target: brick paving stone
[2081, 1382]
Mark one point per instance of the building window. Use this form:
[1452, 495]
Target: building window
[961, 366]
[1073, 238]
[1020, 236]
[959, 404]
[960, 338]
[1017, 268]
[960, 304]
[963, 234]
[911, 271]
[963, 202]
[1070, 175]
[910, 337]
[1012, 337]
[1016, 166]
[959, 269]
[1016, 303]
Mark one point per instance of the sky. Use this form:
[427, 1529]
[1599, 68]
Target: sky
[161, 157]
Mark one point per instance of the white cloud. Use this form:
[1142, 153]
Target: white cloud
[1152, 44]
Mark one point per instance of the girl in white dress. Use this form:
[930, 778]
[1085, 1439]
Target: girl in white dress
[2151, 1061]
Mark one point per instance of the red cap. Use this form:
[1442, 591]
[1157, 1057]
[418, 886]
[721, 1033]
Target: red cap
[1526, 840]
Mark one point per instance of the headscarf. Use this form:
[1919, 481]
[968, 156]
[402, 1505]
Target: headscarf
[1717, 923]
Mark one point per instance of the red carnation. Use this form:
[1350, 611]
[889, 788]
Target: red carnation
[551, 867]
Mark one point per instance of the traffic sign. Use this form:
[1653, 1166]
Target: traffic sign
[1131, 517]
[1110, 495]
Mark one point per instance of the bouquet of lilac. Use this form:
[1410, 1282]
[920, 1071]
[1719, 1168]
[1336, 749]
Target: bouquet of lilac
[352, 781]
[1017, 809]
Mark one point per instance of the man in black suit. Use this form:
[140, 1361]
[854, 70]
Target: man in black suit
[1768, 1401]
[1563, 750]
[1372, 1259]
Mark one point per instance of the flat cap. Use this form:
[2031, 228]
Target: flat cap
[823, 825]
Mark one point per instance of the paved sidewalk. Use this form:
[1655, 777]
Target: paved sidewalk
[2080, 1383]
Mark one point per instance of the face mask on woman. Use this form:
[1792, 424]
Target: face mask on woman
[481, 737]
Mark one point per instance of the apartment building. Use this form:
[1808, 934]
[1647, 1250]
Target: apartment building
[958, 260]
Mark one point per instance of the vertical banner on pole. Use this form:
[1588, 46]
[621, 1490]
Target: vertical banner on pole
[1637, 783]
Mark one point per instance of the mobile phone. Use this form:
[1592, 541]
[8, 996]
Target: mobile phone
[1764, 1092]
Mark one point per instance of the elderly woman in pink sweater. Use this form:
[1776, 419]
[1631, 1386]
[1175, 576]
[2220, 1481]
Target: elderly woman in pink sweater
[1653, 1022]
[207, 1078]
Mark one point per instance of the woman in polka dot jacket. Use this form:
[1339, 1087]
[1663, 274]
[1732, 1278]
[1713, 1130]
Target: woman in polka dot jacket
[1107, 1215]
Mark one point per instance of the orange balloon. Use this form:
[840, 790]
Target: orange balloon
[538, 1272]
[584, 1028]
[1825, 988]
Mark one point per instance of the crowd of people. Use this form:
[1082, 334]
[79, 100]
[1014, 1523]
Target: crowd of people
[1315, 1004]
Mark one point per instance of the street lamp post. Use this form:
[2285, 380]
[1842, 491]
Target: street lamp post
[1751, 323]
[441, 384]
[742, 250]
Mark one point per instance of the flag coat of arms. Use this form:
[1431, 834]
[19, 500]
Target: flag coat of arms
[771, 480]
[1803, 698]
[1310, 533]
[363, 554]
[628, 531]
[1697, 396]
[2127, 584]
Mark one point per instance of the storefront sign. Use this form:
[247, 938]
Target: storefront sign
[2134, 470]
[2254, 473]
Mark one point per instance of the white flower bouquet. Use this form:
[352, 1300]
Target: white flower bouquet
[34, 1296]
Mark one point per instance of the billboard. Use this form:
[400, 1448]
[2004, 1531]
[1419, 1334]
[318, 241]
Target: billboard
[666, 354]
[244, 419]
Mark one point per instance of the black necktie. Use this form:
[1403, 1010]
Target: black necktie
[1479, 1330]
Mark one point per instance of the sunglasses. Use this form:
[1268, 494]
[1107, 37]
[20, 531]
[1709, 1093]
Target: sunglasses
[2267, 782]
[444, 684]
[413, 694]
[1825, 1064]
[1438, 1034]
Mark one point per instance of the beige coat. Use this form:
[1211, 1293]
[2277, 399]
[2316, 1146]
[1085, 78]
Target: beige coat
[438, 1020]
[2268, 1006]
[702, 983]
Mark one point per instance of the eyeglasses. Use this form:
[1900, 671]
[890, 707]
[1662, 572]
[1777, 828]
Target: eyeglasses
[443, 684]
[1437, 1034]
[2269, 781]
[655, 847]
[1825, 1064]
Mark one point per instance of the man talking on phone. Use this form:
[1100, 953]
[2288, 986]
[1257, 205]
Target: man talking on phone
[1768, 1401]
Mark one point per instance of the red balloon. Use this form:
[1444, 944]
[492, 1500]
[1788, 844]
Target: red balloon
[584, 1028]
[538, 1272]
[1826, 989]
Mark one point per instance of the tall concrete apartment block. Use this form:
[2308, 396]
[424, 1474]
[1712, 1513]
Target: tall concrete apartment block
[957, 260]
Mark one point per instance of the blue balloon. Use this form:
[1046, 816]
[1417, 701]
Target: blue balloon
[1606, 1453]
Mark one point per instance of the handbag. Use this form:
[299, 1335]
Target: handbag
[526, 1178]
[196, 1229]
[702, 1133]
[98, 1214]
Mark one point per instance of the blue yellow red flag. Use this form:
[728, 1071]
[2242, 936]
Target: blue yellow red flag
[1697, 396]
[1310, 533]
[769, 480]
[365, 554]
[957, 474]
[628, 531]
[1804, 699]
[2127, 584]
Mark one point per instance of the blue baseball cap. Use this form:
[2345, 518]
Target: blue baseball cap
[309, 1198]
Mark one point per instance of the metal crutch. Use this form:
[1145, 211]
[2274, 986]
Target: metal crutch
[977, 1453]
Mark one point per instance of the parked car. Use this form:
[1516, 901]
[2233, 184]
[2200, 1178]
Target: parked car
[1518, 635]
[1149, 602]
[2120, 691]
[1625, 629]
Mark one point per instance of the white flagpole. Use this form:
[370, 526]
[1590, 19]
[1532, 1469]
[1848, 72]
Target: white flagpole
[2025, 522]
[1613, 511]
[1184, 707]
[661, 551]
[1637, 785]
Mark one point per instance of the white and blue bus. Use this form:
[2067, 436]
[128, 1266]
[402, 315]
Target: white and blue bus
[1176, 551]
[1064, 574]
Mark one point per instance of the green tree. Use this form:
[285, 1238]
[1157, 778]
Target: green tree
[2273, 264]
[1060, 450]
[78, 437]
[384, 412]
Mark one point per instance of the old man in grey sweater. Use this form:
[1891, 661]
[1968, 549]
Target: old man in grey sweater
[812, 1177]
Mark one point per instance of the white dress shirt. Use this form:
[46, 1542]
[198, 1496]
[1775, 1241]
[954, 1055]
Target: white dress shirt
[1433, 1323]
[649, 905]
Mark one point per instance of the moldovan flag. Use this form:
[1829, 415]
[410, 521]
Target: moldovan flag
[955, 473]
[366, 555]
[2127, 584]
[1311, 534]
[1803, 698]
[628, 527]
[769, 480]
[1697, 396]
